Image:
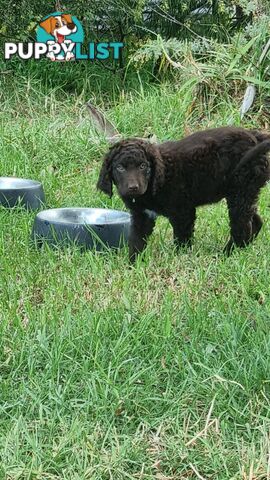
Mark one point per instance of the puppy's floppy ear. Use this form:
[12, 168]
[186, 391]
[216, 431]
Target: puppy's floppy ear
[67, 17]
[105, 177]
[48, 24]
[158, 175]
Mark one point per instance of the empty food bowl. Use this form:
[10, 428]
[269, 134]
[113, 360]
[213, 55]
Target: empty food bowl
[21, 191]
[86, 227]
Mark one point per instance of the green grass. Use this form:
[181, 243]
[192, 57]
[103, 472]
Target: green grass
[160, 371]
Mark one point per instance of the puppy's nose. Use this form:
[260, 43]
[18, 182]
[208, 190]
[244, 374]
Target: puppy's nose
[133, 188]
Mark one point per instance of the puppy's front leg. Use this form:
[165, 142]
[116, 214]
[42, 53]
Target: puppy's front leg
[142, 225]
[183, 226]
[52, 46]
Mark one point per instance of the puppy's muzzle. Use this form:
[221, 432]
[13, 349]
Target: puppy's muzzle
[134, 188]
[71, 26]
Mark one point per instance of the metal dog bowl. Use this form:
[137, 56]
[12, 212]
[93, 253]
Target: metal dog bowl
[86, 227]
[28, 193]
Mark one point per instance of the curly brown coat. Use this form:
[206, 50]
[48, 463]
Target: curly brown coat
[175, 177]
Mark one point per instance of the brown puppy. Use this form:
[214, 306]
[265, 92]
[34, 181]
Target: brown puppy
[174, 178]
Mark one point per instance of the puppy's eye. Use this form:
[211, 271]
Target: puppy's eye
[120, 168]
[143, 166]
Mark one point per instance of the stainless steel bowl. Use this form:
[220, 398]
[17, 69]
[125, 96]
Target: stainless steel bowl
[21, 191]
[86, 227]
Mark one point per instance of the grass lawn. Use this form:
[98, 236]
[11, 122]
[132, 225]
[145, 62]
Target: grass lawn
[160, 371]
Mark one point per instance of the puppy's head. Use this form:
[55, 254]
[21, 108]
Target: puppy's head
[134, 166]
[59, 25]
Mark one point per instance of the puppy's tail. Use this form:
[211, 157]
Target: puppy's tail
[260, 136]
[253, 155]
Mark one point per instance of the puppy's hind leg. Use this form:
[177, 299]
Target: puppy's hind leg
[244, 221]
[257, 224]
[249, 176]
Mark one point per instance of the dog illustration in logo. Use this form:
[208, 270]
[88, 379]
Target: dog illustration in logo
[59, 26]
